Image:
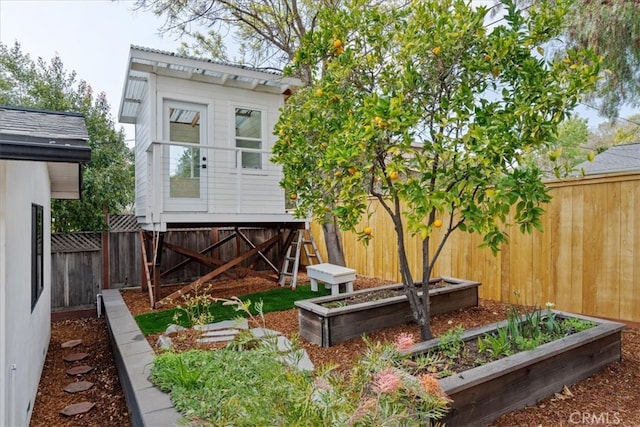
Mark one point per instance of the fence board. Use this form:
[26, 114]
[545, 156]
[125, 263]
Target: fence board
[585, 260]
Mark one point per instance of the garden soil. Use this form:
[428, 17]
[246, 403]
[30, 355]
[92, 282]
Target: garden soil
[608, 398]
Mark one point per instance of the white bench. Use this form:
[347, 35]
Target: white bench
[333, 275]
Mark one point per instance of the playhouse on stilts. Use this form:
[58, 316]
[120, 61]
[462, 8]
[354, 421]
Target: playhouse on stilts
[203, 138]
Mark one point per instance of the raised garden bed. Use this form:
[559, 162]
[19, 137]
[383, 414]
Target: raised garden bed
[483, 393]
[329, 320]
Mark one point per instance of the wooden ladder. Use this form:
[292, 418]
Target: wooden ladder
[302, 242]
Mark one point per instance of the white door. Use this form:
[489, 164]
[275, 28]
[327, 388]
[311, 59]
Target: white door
[185, 160]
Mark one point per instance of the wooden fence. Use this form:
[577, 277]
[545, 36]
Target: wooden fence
[77, 259]
[76, 270]
[587, 259]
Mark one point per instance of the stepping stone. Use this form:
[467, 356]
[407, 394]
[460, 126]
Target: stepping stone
[78, 386]
[77, 408]
[221, 333]
[71, 344]
[226, 324]
[79, 370]
[220, 338]
[75, 357]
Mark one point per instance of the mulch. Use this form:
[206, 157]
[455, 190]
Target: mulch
[609, 397]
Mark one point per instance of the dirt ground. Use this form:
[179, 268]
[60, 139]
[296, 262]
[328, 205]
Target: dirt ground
[608, 398]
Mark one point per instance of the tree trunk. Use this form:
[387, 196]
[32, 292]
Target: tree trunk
[426, 303]
[332, 241]
[410, 290]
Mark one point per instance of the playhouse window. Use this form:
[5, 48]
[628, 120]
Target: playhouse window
[184, 161]
[249, 137]
[37, 251]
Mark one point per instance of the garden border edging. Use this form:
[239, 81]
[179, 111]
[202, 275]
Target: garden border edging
[148, 406]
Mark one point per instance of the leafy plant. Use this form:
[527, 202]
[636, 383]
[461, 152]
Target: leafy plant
[528, 330]
[495, 345]
[573, 324]
[195, 306]
[450, 343]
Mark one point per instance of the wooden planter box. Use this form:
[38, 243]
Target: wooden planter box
[482, 394]
[327, 326]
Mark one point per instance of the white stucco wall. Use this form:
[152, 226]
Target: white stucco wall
[24, 334]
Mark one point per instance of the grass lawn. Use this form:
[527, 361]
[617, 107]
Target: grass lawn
[278, 299]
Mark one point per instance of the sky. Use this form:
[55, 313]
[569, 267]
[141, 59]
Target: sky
[92, 37]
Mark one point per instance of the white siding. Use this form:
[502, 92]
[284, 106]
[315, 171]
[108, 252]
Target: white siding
[254, 193]
[24, 334]
[143, 140]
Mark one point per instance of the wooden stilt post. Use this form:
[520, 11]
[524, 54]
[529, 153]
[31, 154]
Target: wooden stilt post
[146, 276]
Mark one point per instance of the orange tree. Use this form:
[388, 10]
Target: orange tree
[430, 111]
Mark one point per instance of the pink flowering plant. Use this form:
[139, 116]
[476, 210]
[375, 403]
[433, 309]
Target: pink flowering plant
[381, 389]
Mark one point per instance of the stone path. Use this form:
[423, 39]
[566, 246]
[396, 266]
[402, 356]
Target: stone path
[227, 330]
[77, 386]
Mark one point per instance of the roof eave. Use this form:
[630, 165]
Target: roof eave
[20, 150]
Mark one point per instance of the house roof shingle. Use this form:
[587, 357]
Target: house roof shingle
[619, 158]
[58, 139]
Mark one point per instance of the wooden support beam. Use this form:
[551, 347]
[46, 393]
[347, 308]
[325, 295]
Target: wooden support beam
[261, 247]
[246, 239]
[195, 256]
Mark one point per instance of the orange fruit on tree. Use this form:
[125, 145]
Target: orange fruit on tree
[437, 223]
[394, 175]
[293, 196]
[337, 43]
[367, 231]
[352, 170]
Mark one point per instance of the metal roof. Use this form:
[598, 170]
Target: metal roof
[619, 158]
[145, 61]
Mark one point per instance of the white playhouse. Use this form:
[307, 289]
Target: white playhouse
[203, 139]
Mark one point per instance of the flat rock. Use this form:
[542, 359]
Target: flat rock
[164, 342]
[75, 357]
[79, 370]
[220, 333]
[226, 324]
[71, 344]
[77, 387]
[174, 328]
[77, 408]
[219, 338]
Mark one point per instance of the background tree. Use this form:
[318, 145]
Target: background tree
[108, 178]
[616, 132]
[268, 33]
[569, 149]
[612, 29]
[429, 112]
